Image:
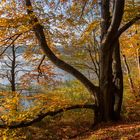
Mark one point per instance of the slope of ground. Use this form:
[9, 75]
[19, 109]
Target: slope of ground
[77, 125]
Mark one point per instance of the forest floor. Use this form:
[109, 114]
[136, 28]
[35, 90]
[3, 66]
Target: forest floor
[114, 131]
[126, 129]
[110, 131]
[77, 125]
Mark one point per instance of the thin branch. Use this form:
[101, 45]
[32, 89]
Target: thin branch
[8, 57]
[8, 77]
[17, 47]
[92, 59]
[84, 65]
[39, 69]
[83, 8]
[18, 55]
[16, 65]
[7, 64]
[17, 71]
[9, 45]
[57, 5]
[96, 50]
[8, 38]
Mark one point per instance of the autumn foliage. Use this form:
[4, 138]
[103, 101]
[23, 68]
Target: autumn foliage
[66, 66]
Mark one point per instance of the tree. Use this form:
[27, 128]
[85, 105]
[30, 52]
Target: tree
[110, 32]
[130, 55]
[108, 95]
[20, 73]
[9, 67]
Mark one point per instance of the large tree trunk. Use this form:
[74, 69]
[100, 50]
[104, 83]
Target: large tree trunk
[111, 83]
[39, 32]
[118, 81]
[109, 29]
[105, 66]
[106, 85]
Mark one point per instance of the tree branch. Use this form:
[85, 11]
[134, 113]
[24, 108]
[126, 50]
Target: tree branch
[83, 8]
[40, 116]
[8, 38]
[124, 28]
[9, 44]
[93, 62]
[127, 25]
[38, 29]
[39, 69]
[8, 65]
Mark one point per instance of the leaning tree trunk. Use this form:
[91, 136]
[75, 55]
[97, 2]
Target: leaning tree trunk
[110, 32]
[39, 32]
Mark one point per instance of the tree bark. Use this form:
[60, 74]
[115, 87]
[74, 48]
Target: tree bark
[106, 85]
[106, 53]
[105, 79]
[118, 81]
[13, 84]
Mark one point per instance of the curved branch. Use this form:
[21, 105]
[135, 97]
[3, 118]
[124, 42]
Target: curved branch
[43, 115]
[38, 29]
[39, 69]
[124, 28]
[127, 25]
